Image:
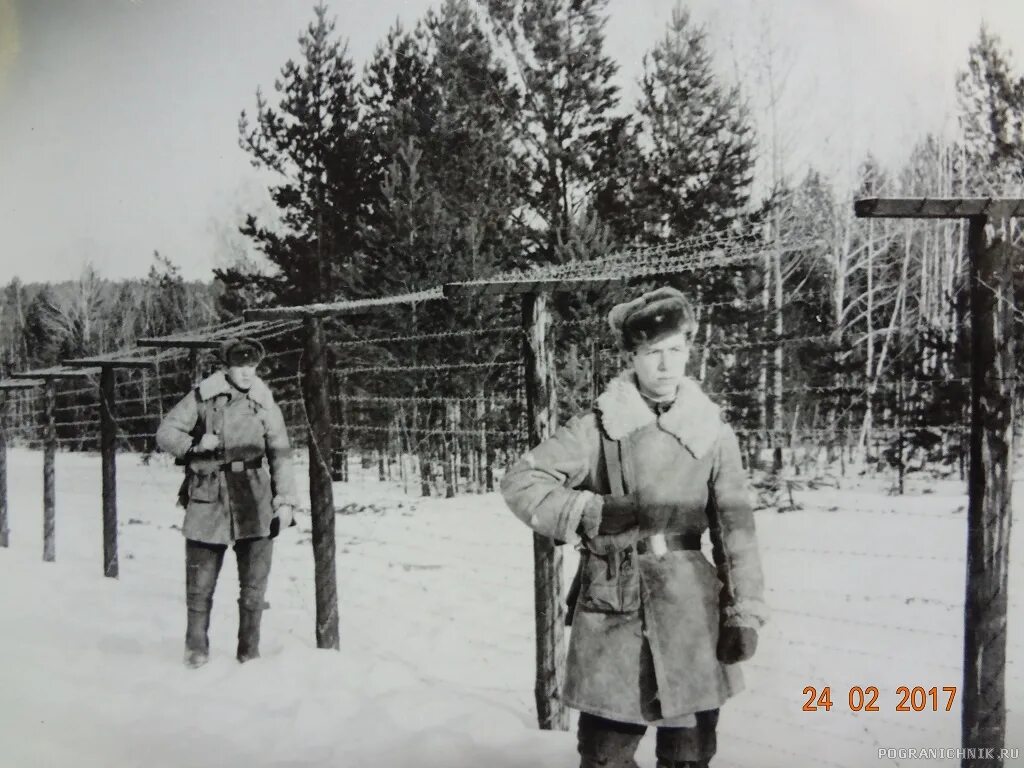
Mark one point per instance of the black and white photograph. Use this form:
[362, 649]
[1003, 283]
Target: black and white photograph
[511, 383]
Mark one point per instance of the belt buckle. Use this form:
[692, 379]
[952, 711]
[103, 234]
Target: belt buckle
[656, 545]
[237, 466]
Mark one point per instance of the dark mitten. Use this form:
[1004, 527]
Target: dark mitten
[736, 644]
[618, 514]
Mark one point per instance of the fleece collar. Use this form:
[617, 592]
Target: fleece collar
[218, 384]
[693, 418]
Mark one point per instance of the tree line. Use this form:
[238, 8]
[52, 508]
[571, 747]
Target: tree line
[44, 323]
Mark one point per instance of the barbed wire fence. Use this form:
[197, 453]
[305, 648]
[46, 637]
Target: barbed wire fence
[827, 414]
[437, 411]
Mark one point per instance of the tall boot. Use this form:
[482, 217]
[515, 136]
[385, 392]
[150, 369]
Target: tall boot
[248, 632]
[197, 642]
[604, 743]
[202, 565]
[254, 558]
[691, 747]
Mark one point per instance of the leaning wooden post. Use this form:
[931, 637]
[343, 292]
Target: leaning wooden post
[989, 484]
[321, 494]
[542, 419]
[49, 485]
[108, 434]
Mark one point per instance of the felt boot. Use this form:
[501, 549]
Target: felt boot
[248, 633]
[197, 643]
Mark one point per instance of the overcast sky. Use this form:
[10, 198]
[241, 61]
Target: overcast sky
[118, 118]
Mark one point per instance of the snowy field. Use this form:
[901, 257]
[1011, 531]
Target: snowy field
[436, 661]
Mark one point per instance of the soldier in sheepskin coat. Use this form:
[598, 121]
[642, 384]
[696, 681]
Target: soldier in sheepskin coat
[657, 629]
[228, 432]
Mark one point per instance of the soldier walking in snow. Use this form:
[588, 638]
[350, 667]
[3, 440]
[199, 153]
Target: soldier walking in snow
[222, 431]
[657, 629]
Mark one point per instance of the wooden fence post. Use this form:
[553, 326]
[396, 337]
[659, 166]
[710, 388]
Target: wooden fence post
[542, 419]
[480, 461]
[108, 430]
[321, 494]
[426, 470]
[194, 368]
[448, 455]
[989, 482]
[989, 488]
[457, 454]
[489, 449]
[49, 485]
[4, 531]
[6, 387]
[343, 431]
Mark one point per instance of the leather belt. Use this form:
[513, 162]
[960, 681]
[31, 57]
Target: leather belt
[241, 466]
[673, 542]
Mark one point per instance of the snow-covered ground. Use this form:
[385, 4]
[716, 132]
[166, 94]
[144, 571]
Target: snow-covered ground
[436, 661]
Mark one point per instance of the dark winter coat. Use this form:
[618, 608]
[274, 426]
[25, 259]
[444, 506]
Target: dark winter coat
[685, 468]
[223, 506]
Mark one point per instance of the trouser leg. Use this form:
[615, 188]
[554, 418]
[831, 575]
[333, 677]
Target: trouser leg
[689, 747]
[254, 559]
[604, 743]
[202, 566]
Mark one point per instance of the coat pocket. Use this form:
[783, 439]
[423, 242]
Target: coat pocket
[204, 488]
[610, 583]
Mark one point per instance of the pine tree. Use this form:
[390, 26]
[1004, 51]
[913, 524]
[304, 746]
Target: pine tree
[437, 108]
[440, 109]
[698, 138]
[15, 300]
[696, 163]
[311, 140]
[42, 345]
[569, 125]
[991, 98]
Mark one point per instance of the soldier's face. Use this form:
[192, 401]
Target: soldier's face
[242, 375]
[660, 365]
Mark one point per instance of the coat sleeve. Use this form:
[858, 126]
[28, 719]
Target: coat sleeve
[542, 488]
[174, 435]
[733, 537]
[279, 457]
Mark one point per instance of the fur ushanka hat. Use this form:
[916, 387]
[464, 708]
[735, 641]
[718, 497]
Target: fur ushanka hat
[653, 316]
[241, 351]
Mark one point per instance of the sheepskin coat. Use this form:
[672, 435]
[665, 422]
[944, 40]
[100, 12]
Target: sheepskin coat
[645, 628]
[223, 505]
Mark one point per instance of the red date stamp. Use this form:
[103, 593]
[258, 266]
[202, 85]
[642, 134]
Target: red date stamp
[858, 699]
